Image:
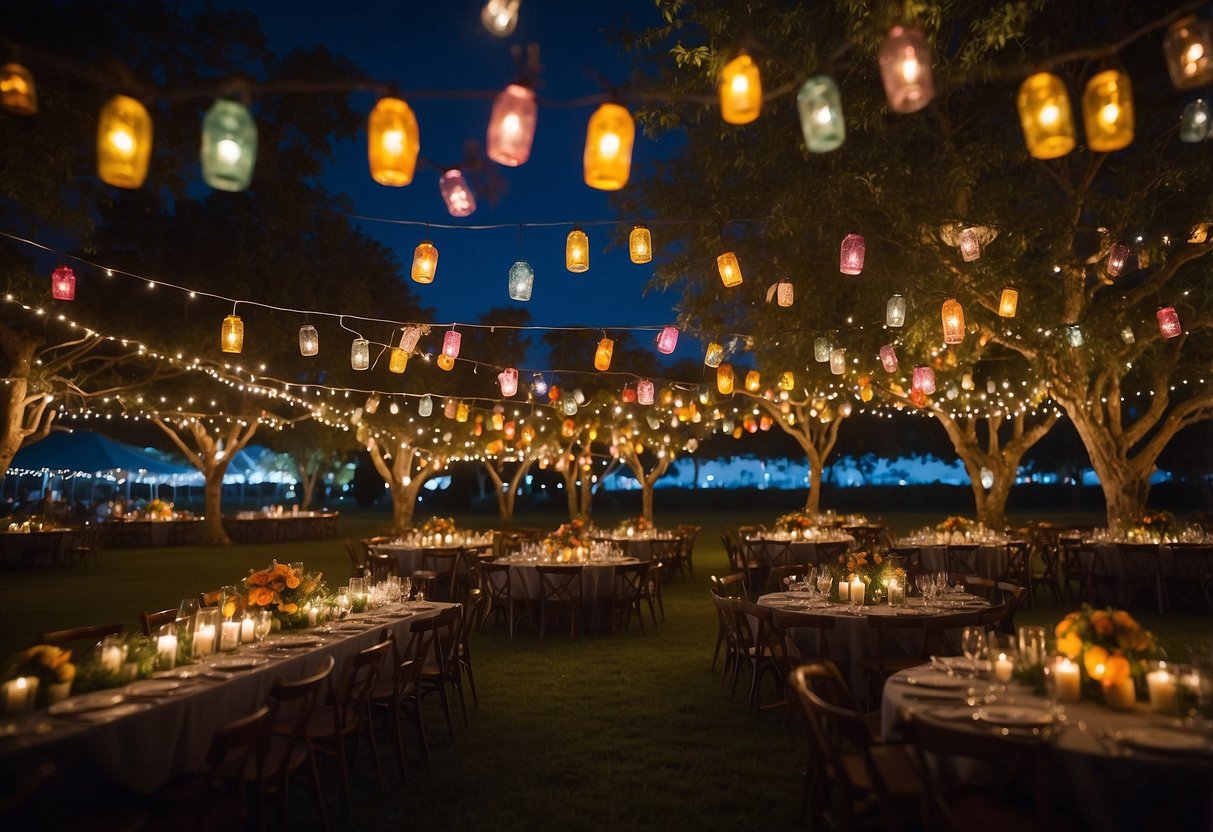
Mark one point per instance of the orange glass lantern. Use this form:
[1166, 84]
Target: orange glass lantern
[231, 334]
[724, 379]
[730, 269]
[18, 94]
[425, 262]
[393, 142]
[446, 362]
[1045, 116]
[602, 355]
[1107, 111]
[753, 380]
[608, 148]
[512, 126]
[1008, 303]
[787, 381]
[577, 251]
[905, 69]
[640, 245]
[953, 321]
[124, 142]
[740, 90]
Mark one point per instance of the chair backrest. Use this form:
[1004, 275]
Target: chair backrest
[472, 605]
[735, 622]
[239, 749]
[497, 581]
[294, 702]
[785, 620]
[356, 564]
[884, 624]
[778, 573]
[688, 533]
[977, 585]
[382, 566]
[352, 691]
[730, 585]
[152, 621]
[560, 584]
[629, 581]
[93, 633]
[666, 548]
[938, 628]
[732, 548]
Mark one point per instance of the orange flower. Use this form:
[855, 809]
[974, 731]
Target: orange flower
[1115, 668]
[1125, 621]
[260, 596]
[292, 582]
[1070, 644]
[1095, 660]
[1102, 622]
[288, 609]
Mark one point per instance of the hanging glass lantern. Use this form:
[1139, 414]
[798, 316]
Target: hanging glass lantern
[500, 16]
[425, 406]
[521, 281]
[1008, 303]
[577, 251]
[785, 295]
[724, 379]
[667, 340]
[821, 119]
[1107, 111]
[730, 269]
[124, 142]
[512, 126]
[640, 245]
[838, 360]
[231, 334]
[895, 312]
[753, 380]
[398, 361]
[602, 355]
[497, 420]
[713, 355]
[888, 358]
[393, 407]
[905, 69]
[449, 407]
[393, 142]
[409, 336]
[970, 246]
[1074, 335]
[63, 283]
[451, 342]
[787, 381]
[309, 340]
[508, 379]
[821, 349]
[1046, 116]
[425, 262]
[18, 94]
[360, 354]
[372, 403]
[446, 362]
[851, 254]
[1186, 48]
[457, 193]
[578, 396]
[1194, 123]
[924, 380]
[628, 394]
[229, 146]
[953, 321]
[1168, 322]
[539, 384]
[608, 148]
[740, 90]
[644, 392]
[568, 405]
[1118, 257]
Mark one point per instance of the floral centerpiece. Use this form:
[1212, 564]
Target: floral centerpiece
[1111, 649]
[1153, 525]
[284, 590]
[439, 526]
[795, 521]
[874, 569]
[159, 510]
[570, 541]
[635, 525]
[50, 665]
[956, 523]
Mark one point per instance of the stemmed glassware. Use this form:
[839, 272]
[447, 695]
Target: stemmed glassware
[973, 643]
[825, 583]
[262, 625]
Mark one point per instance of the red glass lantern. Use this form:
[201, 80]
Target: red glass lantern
[923, 381]
[629, 394]
[850, 259]
[63, 283]
[450, 344]
[1168, 322]
[644, 392]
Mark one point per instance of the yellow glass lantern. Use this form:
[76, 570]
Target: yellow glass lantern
[608, 148]
[640, 245]
[461, 412]
[724, 379]
[1045, 115]
[787, 381]
[577, 251]
[497, 420]
[1008, 303]
[446, 362]
[124, 142]
[953, 321]
[730, 269]
[393, 142]
[425, 262]
[865, 393]
[714, 354]
[231, 334]
[18, 94]
[1107, 111]
[602, 355]
[740, 90]
[398, 360]
[753, 380]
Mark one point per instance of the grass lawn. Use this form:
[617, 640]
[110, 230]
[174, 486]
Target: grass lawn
[622, 731]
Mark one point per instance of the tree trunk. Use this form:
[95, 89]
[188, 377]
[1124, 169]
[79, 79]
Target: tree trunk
[213, 533]
[404, 504]
[812, 503]
[1125, 493]
[646, 500]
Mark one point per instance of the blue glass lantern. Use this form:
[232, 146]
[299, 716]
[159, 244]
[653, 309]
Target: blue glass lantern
[821, 119]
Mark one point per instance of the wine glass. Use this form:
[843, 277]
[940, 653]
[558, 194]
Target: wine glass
[973, 643]
[262, 624]
[825, 582]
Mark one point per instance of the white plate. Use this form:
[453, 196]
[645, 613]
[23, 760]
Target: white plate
[152, 687]
[1161, 739]
[87, 702]
[959, 713]
[1013, 716]
[961, 663]
[108, 714]
[938, 681]
[295, 643]
[238, 663]
[423, 606]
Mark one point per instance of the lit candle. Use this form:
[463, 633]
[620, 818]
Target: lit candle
[1003, 668]
[19, 694]
[858, 587]
[312, 615]
[1163, 686]
[1068, 681]
[111, 658]
[844, 590]
[1119, 693]
[166, 652]
[204, 640]
[246, 630]
[897, 594]
[229, 637]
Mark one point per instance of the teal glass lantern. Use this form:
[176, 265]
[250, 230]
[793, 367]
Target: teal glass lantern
[229, 146]
[1194, 123]
[821, 120]
[426, 406]
[522, 281]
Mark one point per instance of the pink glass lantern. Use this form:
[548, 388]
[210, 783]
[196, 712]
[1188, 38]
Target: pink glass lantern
[667, 340]
[644, 392]
[409, 336]
[1168, 322]
[457, 194]
[970, 246]
[63, 283]
[924, 380]
[1118, 256]
[850, 260]
[450, 344]
[512, 126]
[905, 69]
[888, 358]
[508, 379]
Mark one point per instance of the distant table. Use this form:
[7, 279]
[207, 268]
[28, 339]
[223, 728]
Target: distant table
[597, 583]
[31, 549]
[985, 558]
[787, 551]
[409, 555]
[133, 533]
[281, 528]
[641, 547]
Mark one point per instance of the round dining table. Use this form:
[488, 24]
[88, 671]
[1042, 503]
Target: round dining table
[639, 546]
[785, 550]
[985, 558]
[408, 554]
[597, 583]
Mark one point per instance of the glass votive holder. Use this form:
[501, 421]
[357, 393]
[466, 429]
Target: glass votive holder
[111, 654]
[1163, 686]
[19, 695]
[229, 636]
[1063, 679]
[1031, 646]
[897, 594]
[248, 628]
[166, 647]
[206, 631]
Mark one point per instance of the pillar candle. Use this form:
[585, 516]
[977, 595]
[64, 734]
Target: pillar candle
[1004, 668]
[247, 630]
[19, 694]
[111, 658]
[1163, 686]
[204, 640]
[857, 591]
[312, 615]
[229, 637]
[1068, 681]
[1120, 693]
[844, 590]
[166, 652]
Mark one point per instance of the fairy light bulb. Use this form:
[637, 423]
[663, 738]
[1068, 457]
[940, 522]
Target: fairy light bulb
[229, 146]
[457, 193]
[500, 16]
[851, 254]
[640, 245]
[508, 379]
[953, 321]
[18, 94]
[425, 406]
[1186, 48]
[393, 408]
[309, 340]
[607, 160]
[577, 251]
[667, 340]
[393, 142]
[740, 90]
[644, 392]
[1008, 303]
[724, 379]
[905, 70]
[924, 380]
[1107, 111]
[714, 354]
[521, 281]
[602, 355]
[450, 344]
[838, 360]
[425, 262]
[895, 312]
[512, 126]
[729, 268]
[970, 246]
[124, 142]
[360, 354]
[398, 361]
[1046, 116]
[63, 284]
[888, 358]
[1168, 322]
[231, 334]
[821, 120]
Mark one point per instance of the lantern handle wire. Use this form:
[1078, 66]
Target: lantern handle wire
[341, 323]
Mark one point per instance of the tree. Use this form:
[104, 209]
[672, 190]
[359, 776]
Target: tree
[405, 468]
[314, 450]
[814, 425]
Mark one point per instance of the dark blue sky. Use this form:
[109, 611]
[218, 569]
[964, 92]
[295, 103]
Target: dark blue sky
[443, 46]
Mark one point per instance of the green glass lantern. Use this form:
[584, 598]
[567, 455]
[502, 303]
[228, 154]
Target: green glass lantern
[821, 120]
[229, 146]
